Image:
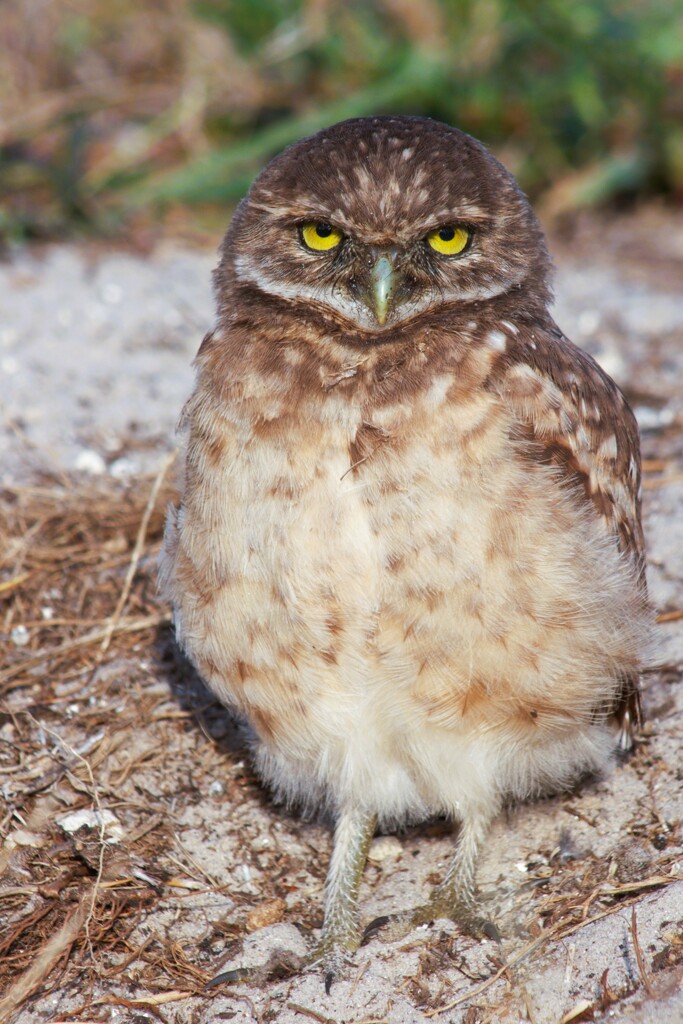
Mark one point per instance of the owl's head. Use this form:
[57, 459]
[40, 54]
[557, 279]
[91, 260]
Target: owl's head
[375, 221]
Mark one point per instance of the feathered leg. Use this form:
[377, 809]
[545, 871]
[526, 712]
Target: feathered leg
[341, 932]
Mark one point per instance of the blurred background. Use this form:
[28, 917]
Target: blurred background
[123, 116]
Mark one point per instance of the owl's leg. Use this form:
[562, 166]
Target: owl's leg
[341, 931]
[453, 898]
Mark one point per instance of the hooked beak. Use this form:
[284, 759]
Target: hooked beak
[383, 284]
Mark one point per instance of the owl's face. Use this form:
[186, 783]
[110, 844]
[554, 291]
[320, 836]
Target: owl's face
[375, 221]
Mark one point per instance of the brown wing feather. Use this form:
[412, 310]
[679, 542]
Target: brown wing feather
[571, 414]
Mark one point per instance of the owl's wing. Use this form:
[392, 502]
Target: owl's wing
[569, 414]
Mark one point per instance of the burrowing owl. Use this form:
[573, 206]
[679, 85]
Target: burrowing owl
[409, 548]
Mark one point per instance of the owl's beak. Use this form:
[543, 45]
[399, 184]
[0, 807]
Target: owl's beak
[383, 283]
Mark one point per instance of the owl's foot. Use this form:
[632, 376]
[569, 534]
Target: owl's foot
[454, 898]
[341, 934]
[444, 903]
[331, 957]
[280, 966]
[393, 927]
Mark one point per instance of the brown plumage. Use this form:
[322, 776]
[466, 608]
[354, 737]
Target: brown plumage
[409, 548]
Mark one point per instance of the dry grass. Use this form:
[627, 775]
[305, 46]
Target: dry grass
[72, 900]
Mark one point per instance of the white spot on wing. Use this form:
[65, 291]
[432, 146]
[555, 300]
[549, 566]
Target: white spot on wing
[581, 437]
[497, 341]
[608, 448]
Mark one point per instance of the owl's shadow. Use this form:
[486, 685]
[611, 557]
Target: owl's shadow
[230, 734]
[213, 719]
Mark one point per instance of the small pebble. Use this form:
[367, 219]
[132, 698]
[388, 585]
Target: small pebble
[20, 636]
[265, 914]
[8, 336]
[261, 843]
[89, 461]
[23, 837]
[9, 365]
[124, 467]
[384, 848]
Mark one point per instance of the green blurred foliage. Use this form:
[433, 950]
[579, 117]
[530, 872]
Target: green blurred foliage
[181, 101]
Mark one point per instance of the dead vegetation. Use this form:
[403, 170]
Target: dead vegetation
[110, 112]
[74, 617]
[101, 718]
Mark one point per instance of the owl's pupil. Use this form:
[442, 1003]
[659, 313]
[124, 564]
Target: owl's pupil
[447, 234]
[323, 230]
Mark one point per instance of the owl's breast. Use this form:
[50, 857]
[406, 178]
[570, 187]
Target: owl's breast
[387, 576]
[277, 569]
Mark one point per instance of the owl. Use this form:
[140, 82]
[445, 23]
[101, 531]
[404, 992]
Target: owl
[408, 551]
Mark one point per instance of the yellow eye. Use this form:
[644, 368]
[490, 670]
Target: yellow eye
[449, 241]
[319, 235]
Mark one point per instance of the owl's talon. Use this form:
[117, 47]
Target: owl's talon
[278, 967]
[227, 977]
[372, 929]
[392, 927]
[491, 932]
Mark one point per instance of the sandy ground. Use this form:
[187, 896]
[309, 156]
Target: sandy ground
[587, 888]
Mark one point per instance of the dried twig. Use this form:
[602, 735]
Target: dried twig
[96, 800]
[54, 949]
[672, 616]
[135, 625]
[639, 953]
[664, 481]
[137, 550]
[305, 1011]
